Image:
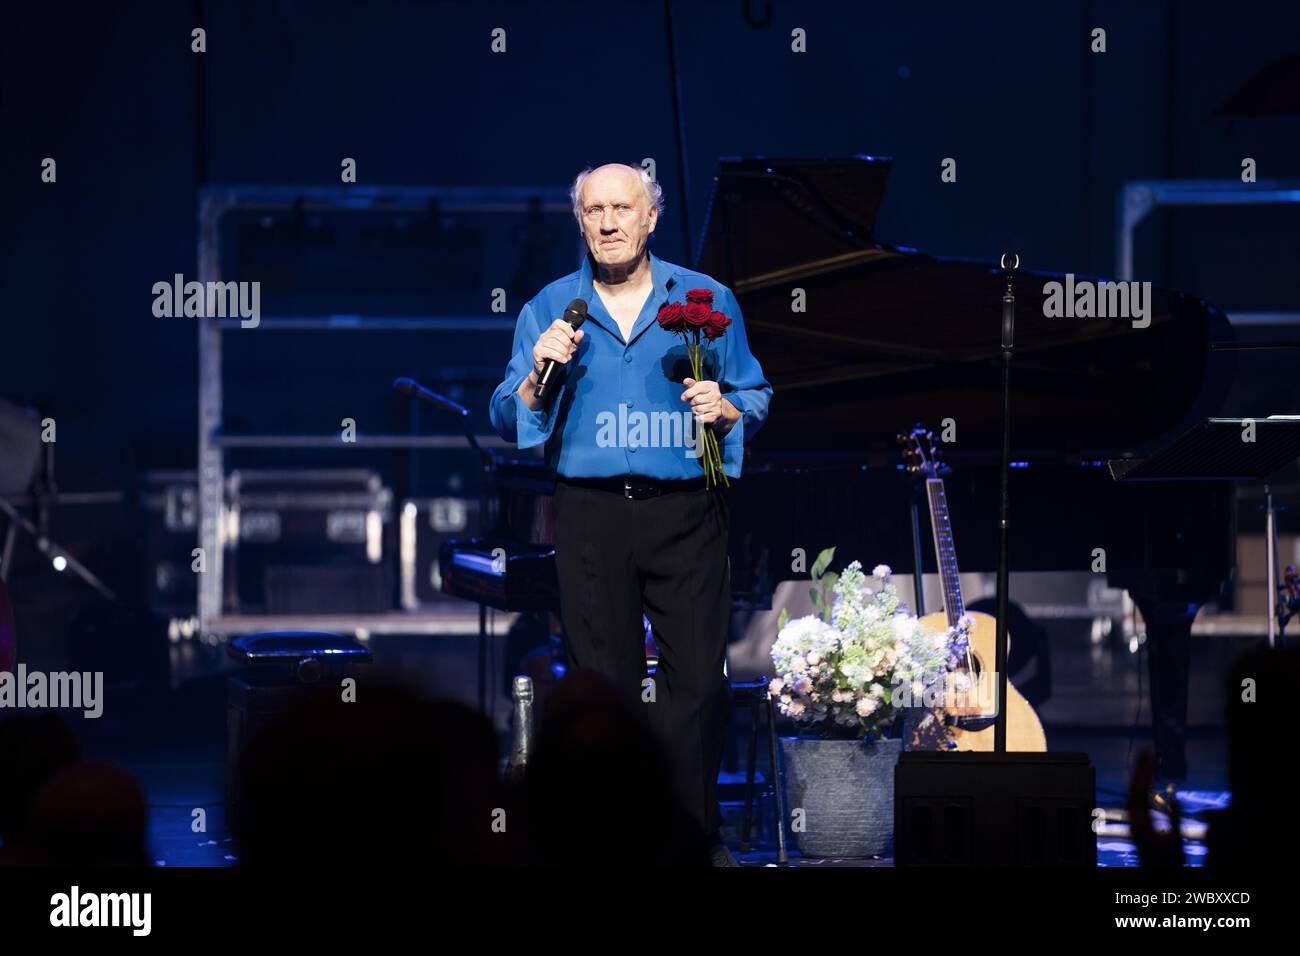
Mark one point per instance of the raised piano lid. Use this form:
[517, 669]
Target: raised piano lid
[892, 336]
[768, 216]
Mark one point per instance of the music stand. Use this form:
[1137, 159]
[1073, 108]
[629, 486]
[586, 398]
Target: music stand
[1226, 449]
[1217, 448]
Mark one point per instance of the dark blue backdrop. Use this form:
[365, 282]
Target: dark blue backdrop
[1043, 131]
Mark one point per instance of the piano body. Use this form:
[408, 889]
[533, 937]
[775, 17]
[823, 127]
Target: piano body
[890, 337]
[510, 564]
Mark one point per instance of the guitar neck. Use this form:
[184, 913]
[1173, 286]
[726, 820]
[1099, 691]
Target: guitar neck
[945, 551]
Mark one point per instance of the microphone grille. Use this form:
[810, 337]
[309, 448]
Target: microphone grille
[575, 313]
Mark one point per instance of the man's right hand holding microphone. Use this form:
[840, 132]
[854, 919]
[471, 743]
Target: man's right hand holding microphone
[558, 343]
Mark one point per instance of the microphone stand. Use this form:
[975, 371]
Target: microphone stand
[488, 459]
[995, 784]
[1010, 262]
[918, 586]
[1270, 551]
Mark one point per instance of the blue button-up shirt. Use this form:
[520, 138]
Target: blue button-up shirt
[618, 410]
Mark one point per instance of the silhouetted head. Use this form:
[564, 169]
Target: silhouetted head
[1256, 829]
[33, 748]
[1261, 690]
[599, 788]
[390, 777]
[89, 814]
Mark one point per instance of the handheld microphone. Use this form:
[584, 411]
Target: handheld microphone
[575, 314]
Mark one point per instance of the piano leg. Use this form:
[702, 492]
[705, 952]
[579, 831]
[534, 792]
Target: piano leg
[1169, 635]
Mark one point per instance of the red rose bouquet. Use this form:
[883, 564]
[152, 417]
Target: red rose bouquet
[696, 321]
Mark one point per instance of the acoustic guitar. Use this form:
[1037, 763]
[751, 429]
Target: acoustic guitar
[965, 721]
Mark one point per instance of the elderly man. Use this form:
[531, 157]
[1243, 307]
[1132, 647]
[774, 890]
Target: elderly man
[636, 529]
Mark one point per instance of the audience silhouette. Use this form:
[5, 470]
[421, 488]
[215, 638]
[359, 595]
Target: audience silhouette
[1252, 831]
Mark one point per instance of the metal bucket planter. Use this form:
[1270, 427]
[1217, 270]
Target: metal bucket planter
[845, 789]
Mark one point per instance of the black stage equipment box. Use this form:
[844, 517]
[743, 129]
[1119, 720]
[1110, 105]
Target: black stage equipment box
[424, 525]
[979, 809]
[170, 505]
[308, 541]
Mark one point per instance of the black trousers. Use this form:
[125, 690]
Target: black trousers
[667, 556]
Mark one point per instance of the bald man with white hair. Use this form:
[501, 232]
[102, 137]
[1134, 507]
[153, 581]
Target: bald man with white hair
[636, 529]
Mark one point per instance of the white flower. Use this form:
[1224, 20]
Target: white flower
[881, 571]
[774, 688]
[838, 672]
[803, 630]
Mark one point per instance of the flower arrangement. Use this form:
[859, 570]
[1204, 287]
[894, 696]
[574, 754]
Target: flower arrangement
[697, 322]
[849, 669]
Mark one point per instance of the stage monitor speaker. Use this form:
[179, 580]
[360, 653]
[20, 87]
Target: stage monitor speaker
[960, 808]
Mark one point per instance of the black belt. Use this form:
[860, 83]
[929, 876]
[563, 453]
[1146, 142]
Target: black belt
[636, 486]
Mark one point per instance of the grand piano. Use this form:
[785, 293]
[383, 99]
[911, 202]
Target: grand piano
[890, 337]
